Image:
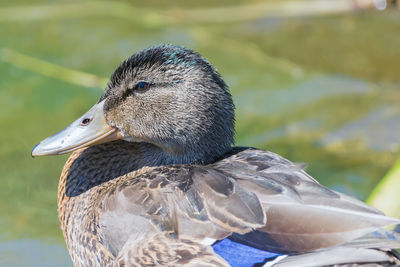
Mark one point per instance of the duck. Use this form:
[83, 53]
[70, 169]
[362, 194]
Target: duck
[154, 179]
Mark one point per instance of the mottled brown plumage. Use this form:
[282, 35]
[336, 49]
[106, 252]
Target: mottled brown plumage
[173, 185]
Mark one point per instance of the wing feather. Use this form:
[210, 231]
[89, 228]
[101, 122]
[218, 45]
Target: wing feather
[302, 215]
[247, 189]
[181, 201]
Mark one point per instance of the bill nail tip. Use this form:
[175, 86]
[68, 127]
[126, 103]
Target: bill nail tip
[33, 151]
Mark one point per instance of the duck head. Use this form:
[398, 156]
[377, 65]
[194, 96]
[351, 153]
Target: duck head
[167, 96]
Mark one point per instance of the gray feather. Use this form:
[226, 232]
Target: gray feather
[302, 215]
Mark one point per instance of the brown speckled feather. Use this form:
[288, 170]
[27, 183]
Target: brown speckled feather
[159, 214]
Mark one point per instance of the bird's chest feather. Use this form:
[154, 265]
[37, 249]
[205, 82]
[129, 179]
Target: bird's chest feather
[80, 226]
[79, 218]
[95, 223]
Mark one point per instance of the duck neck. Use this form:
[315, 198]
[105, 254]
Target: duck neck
[95, 165]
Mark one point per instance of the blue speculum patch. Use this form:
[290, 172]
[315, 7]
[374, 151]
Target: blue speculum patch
[241, 255]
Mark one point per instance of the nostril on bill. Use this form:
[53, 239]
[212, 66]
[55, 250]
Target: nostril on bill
[85, 121]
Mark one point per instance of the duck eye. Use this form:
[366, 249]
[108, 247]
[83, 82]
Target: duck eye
[142, 86]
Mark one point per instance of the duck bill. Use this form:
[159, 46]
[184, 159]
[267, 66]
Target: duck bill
[88, 130]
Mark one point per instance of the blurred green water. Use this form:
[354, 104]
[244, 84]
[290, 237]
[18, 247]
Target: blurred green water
[319, 90]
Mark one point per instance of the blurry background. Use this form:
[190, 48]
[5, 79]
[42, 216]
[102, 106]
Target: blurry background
[316, 81]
